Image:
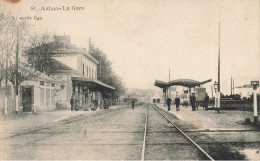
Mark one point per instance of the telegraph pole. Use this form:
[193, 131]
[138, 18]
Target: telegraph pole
[169, 90]
[17, 75]
[219, 60]
[231, 86]
[218, 95]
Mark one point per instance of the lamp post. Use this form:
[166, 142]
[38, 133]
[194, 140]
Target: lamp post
[217, 97]
[255, 84]
[215, 86]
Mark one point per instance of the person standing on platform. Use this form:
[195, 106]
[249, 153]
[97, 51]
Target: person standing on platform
[72, 103]
[177, 102]
[76, 106]
[169, 101]
[192, 101]
[101, 104]
[206, 101]
[133, 104]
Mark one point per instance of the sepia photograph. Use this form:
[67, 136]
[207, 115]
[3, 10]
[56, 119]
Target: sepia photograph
[129, 80]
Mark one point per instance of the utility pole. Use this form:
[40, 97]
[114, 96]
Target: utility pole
[168, 89]
[219, 60]
[6, 81]
[17, 75]
[231, 86]
[218, 95]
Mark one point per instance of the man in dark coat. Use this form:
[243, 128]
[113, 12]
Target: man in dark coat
[76, 106]
[192, 101]
[177, 102]
[206, 101]
[169, 101]
[72, 103]
[133, 105]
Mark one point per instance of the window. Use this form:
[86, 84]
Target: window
[48, 97]
[83, 69]
[53, 93]
[87, 71]
[41, 83]
[48, 84]
[53, 84]
[42, 96]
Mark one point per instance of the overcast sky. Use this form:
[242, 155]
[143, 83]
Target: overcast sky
[145, 38]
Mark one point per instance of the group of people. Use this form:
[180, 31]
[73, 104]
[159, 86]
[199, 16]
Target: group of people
[192, 102]
[74, 104]
[177, 102]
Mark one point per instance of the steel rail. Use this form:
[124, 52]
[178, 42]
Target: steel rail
[193, 142]
[145, 130]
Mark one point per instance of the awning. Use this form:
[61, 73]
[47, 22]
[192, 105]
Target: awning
[181, 82]
[93, 82]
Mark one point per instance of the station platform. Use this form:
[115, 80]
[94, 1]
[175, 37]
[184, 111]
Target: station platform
[211, 120]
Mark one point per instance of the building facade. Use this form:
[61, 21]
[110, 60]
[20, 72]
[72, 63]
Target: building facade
[37, 92]
[77, 70]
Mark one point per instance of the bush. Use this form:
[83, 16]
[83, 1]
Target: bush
[223, 152]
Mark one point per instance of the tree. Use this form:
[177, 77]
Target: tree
[11, 32]
[106, 74]
[40, 50]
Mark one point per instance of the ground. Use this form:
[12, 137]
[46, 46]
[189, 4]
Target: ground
[118, 134]
[228, 126]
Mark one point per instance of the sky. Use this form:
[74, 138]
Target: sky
[144, 39]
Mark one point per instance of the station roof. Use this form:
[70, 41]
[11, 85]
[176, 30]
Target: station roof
[30, 73]
[94, 83]
[180, 82]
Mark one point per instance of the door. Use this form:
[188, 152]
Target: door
[27, 99]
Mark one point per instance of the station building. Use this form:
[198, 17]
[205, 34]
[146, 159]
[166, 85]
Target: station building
[77, 70]
[37, 92]
[73, 74]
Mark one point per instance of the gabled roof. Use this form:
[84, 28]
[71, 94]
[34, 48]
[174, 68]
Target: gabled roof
[30, 73]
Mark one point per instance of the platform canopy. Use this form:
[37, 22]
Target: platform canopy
[180, 82]
[92, 83]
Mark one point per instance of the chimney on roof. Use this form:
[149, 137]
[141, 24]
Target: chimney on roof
[64, 39]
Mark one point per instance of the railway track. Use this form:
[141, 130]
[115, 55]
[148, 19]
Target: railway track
[67, 121]
[202, 151]
[146, 133]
